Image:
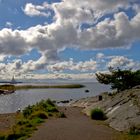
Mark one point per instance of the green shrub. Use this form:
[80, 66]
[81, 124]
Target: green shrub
[50, 102]
[134, 130]
[27, 111]
[39, 114]
[52, 109]
[61, 115]
[22, 122]
[37, 121]
[97, 114]
[30, 118]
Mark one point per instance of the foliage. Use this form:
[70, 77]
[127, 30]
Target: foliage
[7, 87]
[134, 130]
[30, 118]
[119, 79]
[71, 86]
[61, 115]
[97, 114]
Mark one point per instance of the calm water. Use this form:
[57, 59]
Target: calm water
[20, 99]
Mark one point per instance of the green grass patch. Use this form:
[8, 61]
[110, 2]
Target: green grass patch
[28, 120]
[48, 86]
[97, 114]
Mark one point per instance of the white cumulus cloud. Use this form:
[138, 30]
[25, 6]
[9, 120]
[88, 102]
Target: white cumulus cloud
[36, 10]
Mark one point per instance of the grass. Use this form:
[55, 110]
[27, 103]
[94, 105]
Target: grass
[97, 114]
[48, 86]
[7, 87]
[21, 87]
[28, 120]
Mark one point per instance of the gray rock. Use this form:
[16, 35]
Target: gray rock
[122, 109]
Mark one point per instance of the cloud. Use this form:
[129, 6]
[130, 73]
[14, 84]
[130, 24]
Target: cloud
[63, 32]
[36, 10]
[8, 24]
[62, 76]
[123, 62]
[67, 30]
[90, 65]
[88, 11]
[12, 42]
[64, 69]
[100, 55]
[2, 58]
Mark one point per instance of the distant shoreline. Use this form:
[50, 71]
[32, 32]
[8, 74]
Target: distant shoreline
[70, 86]
[22, 87]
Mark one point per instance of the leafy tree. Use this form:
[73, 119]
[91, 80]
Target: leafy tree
[119, 79]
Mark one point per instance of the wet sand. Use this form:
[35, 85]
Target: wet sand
[76, 126]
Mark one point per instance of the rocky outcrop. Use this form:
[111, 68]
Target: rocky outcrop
[122, 109]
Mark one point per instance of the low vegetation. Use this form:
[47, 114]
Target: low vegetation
[10, 87]
[134, 130]
[28, 120]
[7, 87]
[97, 114]
[48, 86]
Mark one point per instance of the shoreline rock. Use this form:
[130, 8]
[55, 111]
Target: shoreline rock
[122, 109]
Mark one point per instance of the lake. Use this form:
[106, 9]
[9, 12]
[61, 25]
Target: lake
[22, 98]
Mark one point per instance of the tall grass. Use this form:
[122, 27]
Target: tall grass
[48, 86]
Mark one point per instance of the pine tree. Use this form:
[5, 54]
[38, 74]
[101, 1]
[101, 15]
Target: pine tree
[119, 79]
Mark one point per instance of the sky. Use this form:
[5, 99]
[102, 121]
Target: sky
[68, 39]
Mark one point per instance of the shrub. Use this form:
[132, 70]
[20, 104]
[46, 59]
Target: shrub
[50, 102]
[27, 111]
[52, 109]
[134, 130]
[62, 115]
[97, 114]
[30, 118]
[39, 114]
[22, 122]
[37, 121]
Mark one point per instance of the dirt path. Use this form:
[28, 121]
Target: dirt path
[76, 126]
[6, 121]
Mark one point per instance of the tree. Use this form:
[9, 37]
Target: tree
[119, 79]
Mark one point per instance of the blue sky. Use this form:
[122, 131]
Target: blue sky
[69, 39]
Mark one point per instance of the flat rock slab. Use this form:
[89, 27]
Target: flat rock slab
[76, 126]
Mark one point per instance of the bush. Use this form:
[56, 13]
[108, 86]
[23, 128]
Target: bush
[62, 115]
[134, 130]
[52, 109]
[97, 114]
[30, 118]
[39, 114]
[27, 111]
[23, 122]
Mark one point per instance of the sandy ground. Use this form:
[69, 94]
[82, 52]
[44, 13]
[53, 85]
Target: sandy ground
[76, 126]
[6, 121]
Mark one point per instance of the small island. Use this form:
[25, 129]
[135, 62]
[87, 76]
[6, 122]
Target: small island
[11, 88]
